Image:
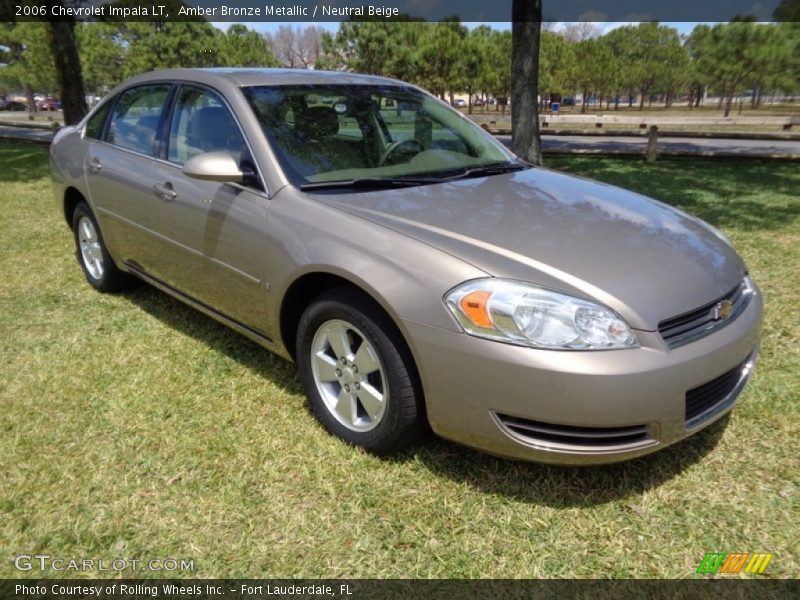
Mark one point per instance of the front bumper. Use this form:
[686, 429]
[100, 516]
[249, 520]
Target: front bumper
[580, 408]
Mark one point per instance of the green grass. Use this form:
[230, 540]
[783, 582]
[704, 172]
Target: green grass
[134, 427]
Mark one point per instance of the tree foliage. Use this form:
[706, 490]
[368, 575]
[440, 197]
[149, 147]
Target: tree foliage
[651, 58]
[28, 59]
[636, 61]
[732, 58]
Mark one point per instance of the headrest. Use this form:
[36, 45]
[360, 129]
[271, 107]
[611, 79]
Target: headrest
[317, 122]
[149, 122]
[213, 126]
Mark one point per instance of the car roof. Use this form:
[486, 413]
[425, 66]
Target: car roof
[259, 76]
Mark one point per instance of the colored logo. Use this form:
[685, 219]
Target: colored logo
[722, 310]
[737, 562]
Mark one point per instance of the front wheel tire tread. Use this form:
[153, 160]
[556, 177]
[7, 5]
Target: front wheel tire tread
[403, 422]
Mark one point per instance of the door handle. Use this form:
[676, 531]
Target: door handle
[95, 165]
[165, 191]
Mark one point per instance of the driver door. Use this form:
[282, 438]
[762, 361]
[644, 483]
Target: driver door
[216, 229]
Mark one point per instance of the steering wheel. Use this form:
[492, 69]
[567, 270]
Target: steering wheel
[411, 146]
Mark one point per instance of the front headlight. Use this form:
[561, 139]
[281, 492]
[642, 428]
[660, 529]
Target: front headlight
[521, 313]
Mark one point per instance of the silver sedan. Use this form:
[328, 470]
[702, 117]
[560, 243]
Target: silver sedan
[416, 271]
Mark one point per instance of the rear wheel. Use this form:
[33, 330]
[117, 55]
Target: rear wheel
[97, 265]
[358, 376]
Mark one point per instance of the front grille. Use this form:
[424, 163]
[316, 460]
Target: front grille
[591, 438]
[702, 321]
[703, 398]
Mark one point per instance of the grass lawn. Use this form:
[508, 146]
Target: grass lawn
[134, 427]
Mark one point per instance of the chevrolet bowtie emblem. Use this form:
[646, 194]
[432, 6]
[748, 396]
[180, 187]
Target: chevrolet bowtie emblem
[722, 310]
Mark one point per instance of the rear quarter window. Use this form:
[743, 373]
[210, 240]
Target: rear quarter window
[136, 116]
[94, 126]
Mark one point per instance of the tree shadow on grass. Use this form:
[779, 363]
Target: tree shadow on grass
[22, 162]
[528, 482]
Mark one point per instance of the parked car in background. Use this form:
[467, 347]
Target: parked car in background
[477, 102]
[414, 269]
[459, 103]
[48, 104]
[12, 105]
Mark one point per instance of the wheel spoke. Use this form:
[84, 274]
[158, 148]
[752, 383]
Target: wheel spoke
[371, 399]
[366, 359]
[349, 376]
[346, 406]
[339, 341]
[325, 367]
[86, 230]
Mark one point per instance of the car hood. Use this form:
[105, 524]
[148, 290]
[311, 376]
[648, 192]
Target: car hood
[639, 256]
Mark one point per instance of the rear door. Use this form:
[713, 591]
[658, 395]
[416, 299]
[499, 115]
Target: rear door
[119, 174]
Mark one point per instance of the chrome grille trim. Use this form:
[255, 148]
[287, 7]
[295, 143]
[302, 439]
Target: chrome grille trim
[569, 438]
[691, 326]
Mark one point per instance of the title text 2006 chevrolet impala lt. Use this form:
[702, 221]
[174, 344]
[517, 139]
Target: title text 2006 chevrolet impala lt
[416, 271]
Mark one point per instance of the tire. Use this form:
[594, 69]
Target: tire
[372, 398]
[90, 249]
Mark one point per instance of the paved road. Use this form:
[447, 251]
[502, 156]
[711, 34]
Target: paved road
[667, 145]
[624, 145]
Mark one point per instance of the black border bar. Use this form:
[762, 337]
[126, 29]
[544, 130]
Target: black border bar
[311, 11]
[400, 589]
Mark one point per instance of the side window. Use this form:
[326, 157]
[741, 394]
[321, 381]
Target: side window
[136, 116]
[94, 127]
[202, 123]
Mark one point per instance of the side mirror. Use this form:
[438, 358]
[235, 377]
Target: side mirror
[214, 166]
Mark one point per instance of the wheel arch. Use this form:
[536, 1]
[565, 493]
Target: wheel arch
[72, 197]
[309, 286]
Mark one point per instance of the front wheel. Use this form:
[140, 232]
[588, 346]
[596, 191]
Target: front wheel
[358, 375]
[97, 265]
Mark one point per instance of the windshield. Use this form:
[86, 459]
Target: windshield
[341, 133]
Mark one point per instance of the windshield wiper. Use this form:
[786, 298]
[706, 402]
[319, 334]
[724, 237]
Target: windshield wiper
[495, 169]
[373, 183]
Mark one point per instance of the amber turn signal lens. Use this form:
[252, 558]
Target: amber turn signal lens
[475, 307]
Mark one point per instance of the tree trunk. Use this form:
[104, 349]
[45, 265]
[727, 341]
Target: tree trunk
[728, 105]
[68, 70]
[29, 97]
[641, 100]
[526, 24]
[583, 102]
